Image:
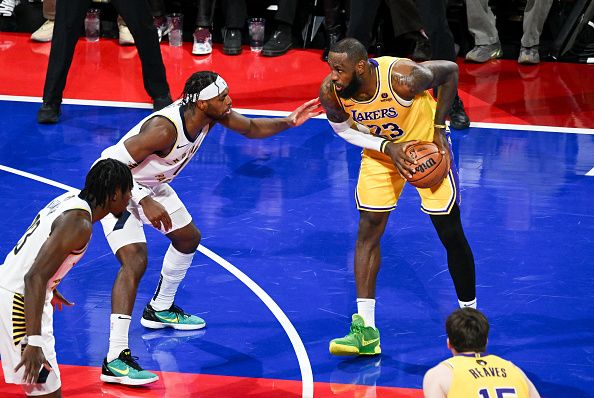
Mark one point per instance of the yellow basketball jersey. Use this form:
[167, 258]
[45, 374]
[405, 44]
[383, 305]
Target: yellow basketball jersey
[390, 116]
[485, 376]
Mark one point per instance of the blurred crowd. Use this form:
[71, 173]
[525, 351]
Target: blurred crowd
[416, 29]
[376, 23]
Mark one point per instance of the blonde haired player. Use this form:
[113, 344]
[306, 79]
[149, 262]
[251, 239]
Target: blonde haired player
[383, 106]
[471, 372]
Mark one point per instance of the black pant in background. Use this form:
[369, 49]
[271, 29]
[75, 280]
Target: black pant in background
[435, 22]
[70, 15]
[404, 13]
[235, 12]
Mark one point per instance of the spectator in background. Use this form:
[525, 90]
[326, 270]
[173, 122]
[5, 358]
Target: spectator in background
[69, 17]
[471, 372]
[405, 20]
[435, 23]
[481, 23]
[282, 39]
[45, 31]
[334, 24]
[235, 16]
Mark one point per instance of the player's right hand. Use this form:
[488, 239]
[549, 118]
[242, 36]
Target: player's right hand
[32, 359]
[156, 213]
[404, 163]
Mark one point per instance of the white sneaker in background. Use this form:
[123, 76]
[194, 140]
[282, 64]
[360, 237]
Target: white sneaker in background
[125, 37]
[202, 42]
[44, 33]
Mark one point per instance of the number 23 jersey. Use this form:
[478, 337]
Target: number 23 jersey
[21, 257]
[388, 115]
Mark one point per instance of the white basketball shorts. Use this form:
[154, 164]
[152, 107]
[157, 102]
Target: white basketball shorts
[13, 341]
[128, 228]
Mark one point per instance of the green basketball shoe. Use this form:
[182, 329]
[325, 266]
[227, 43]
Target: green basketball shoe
[125, 370]
[174, 317]
[362, 340]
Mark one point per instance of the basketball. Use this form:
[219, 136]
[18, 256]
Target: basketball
[431, 168]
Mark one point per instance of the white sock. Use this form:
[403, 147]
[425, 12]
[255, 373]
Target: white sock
[118, 335]
[175, 265]
[366, 308]
[464, 304]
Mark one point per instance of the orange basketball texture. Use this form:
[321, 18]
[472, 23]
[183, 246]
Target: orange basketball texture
[432, 166]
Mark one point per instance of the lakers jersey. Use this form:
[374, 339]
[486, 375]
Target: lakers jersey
[485, 376]
[157, 169]
[388, 115]
[20, 259]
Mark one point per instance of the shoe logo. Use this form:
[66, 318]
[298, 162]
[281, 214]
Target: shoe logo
[365, 343]
[181, 146]
[123, 372]
[173, 319]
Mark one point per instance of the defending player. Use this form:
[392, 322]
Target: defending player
[471, 372]
[382, 106]
[51, 246]
[157, 149]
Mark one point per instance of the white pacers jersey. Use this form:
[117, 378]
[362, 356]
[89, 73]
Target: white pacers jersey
[156, 169]
[20, 259]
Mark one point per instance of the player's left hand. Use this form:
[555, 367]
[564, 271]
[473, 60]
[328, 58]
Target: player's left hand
[58, 300]
[305, 112]
[32, 359]
[440, 139]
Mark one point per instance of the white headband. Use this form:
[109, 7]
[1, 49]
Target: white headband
[214, 89]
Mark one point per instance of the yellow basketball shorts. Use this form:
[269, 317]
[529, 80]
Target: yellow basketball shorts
[380, 185]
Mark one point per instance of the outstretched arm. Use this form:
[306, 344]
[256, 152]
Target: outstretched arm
[267, 127]
[70, 232]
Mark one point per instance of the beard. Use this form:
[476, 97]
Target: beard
[215, 116]
[350, 90]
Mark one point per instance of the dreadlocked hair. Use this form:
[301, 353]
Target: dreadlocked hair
[104, 179]
[196, 83]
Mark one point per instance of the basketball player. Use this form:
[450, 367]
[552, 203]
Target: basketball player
[51, 246]
[156, 150]
[382, 106]
[471, 372]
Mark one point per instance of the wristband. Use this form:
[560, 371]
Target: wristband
[384, 145]
[440, 126]
[35, 340]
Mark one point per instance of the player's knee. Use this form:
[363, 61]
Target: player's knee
[371, 227]
[196, 237]
[451, 236]
[188, 243]
[133, 259]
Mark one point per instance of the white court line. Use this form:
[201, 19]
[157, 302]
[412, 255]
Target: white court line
[530, 127]
[261, 112]
[590, 173]
[307, 386]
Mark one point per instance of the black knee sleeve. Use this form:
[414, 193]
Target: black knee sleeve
[460, 258]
